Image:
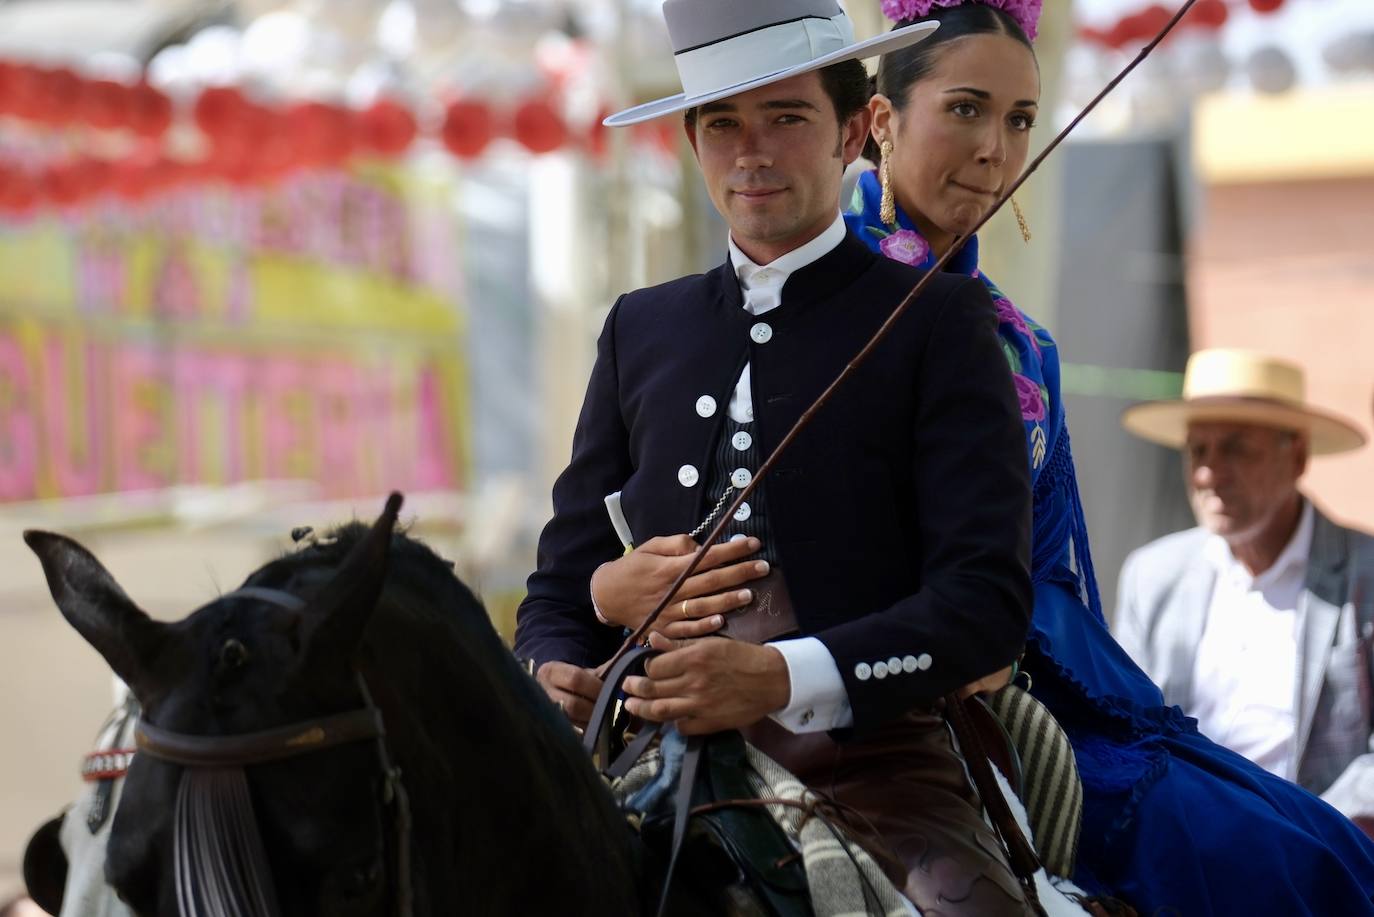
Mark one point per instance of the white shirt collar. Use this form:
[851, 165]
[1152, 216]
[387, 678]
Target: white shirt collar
[1295, 552]
[781, 268]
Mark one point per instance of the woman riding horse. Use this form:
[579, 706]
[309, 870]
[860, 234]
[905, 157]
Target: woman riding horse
[1171, 820]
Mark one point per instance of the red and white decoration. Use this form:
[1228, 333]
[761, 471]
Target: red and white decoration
[1146, 23]
[131, 141]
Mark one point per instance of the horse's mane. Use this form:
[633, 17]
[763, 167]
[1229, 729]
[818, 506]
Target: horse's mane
[420, 566]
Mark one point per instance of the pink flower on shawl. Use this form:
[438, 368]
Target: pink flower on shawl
[905, 246]
[1031, 398]
[1008, 314]
[1026, 13]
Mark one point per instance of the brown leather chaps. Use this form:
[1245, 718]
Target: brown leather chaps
[904, 793]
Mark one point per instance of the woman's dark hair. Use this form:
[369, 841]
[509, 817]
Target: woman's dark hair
[846, 83]
[899, 70]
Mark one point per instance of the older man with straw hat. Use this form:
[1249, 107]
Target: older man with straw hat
[1259, 621]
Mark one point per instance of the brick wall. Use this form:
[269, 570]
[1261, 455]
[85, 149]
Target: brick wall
[1288, 268]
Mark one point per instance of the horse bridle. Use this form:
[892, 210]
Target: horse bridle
[228, 755]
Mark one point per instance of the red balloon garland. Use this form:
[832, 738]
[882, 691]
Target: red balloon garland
[59, 97]
[538, 127]
[1208, 15]
[149, 112]
[249, 142]
[468, 127]
[104, 104]
[323, 133]
[387, 128]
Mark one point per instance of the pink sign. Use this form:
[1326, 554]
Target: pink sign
[81, 417]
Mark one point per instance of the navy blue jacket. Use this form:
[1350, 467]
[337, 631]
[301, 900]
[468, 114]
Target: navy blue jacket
[900, 516]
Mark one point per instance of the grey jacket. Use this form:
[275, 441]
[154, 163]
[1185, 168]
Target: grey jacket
[1165, 590]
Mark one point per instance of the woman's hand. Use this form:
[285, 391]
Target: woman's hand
[627, 590]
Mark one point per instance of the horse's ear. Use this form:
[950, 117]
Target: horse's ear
[94, 604]
[342, 609]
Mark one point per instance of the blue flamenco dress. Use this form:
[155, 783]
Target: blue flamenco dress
[1172, 822]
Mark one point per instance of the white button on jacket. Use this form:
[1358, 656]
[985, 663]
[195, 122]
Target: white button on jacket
[687, 476]
[762, 333]
[706, 406]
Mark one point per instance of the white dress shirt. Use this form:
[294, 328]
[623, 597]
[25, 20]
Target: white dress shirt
[1246, 669]
[818, 700]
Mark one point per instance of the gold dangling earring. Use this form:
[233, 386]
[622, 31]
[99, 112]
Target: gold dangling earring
[887, 211]
[1021, 221]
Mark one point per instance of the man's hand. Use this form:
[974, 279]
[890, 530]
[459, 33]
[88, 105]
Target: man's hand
[628, 589]
[572, 688]
[709, 685]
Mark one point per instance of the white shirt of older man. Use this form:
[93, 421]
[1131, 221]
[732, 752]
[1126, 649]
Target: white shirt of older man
[1245, 673]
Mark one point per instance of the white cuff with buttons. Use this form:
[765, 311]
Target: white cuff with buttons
[819, 701]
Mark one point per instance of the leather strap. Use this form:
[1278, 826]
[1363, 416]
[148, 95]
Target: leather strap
[769, 616]
[635, 751]
[996, 742]
[1024, 862]
[597, 739]
[259, 747]
[682, 812]
[395, 798]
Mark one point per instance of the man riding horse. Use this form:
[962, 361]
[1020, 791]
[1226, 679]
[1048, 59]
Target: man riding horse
[890, 550]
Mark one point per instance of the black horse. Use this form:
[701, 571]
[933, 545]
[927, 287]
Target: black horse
[264, 785]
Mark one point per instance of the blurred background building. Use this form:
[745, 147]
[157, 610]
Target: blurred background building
[263, 261]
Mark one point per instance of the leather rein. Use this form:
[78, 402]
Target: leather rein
[214, 821]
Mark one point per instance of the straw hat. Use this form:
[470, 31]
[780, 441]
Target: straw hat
[726, 47]
[1238, 386]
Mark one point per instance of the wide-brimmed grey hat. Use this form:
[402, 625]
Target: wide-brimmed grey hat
[725, 47]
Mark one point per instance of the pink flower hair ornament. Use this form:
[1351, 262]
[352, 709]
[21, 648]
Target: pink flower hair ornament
[1026, 13]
